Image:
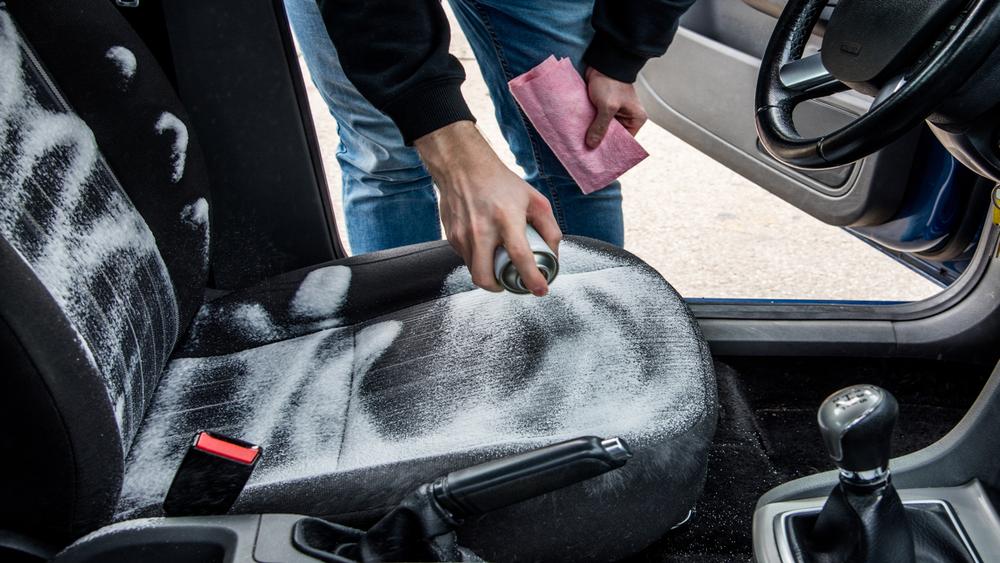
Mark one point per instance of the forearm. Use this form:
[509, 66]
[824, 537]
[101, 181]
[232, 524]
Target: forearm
[484, 204]
[395, 52]
[627, 33]
[455, 153]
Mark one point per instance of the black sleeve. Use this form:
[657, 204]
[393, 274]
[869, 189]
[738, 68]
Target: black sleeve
[627, 33]
[395, 52]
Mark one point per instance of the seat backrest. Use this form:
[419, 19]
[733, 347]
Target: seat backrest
[103, 255]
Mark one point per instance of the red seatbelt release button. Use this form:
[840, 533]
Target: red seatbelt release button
[238, 452]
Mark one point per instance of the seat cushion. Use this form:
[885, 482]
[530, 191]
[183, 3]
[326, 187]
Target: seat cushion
[366, 377]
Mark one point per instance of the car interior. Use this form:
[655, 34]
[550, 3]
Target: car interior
[195, 370]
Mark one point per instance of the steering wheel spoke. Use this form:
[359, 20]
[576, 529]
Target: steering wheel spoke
[886, 92]
[807, 79]
[805, 73]
[823, 90]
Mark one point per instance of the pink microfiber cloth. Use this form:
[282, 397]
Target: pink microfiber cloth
[554, 97]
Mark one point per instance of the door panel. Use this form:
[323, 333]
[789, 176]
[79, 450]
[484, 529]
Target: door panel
[702, 90]
[733, 23]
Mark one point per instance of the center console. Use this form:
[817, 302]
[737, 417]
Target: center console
[936, 505]
[967, 510]
[264, 538]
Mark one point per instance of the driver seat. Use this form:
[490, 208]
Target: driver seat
[361, 378]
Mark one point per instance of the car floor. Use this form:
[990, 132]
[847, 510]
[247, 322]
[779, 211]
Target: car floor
[767, 435]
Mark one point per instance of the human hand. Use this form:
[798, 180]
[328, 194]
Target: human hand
[485, 205]
[613, 100]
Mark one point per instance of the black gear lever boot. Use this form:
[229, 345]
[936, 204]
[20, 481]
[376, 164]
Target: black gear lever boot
[860, 526]
[864, 520]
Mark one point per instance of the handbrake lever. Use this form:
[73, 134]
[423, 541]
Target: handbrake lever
[422, 526]
[495, 484]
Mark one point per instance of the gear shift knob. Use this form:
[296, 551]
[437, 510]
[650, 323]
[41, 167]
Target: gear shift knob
[856, 424]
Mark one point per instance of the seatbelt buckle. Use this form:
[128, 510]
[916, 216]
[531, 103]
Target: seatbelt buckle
[210, 478]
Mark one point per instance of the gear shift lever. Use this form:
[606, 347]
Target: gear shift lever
[863, 520]
[856, 424]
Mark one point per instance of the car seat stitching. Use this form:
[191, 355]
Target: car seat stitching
[350, 397]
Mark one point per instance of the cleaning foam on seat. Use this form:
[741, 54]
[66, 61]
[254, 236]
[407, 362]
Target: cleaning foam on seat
[554, 97]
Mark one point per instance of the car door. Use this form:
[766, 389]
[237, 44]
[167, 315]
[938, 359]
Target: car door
[912, 199]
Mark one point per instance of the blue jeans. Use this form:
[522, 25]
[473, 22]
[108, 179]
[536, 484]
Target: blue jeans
[389, 197]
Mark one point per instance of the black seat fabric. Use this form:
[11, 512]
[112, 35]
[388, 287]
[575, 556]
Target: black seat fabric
[361, 378]
[103, 252]
[358, 395]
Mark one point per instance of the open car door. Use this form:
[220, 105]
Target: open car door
[912, 199]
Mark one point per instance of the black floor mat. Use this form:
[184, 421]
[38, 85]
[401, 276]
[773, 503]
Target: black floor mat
[767, 435]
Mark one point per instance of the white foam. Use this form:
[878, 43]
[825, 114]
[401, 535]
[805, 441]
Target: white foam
[301, 369]
[327, 407]
[313, 308]
[290, 396]
[254, 321]
[619, 357]
[608, 352]
[196, 214]
[573, 259]
[577, 259]
[42, 133]
[169, 122]
[65, 216]
[12, 95]
[125, 60]
[371, 342]
[322, 293]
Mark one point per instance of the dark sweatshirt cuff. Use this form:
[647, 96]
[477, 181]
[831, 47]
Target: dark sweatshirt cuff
[606, 56]
[428, 109]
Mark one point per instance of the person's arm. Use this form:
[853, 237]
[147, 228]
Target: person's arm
[627, 33]
[395, 52]
[484, 204]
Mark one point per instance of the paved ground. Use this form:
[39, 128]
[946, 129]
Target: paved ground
[709, 231]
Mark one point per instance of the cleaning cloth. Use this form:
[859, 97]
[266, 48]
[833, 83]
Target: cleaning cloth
[554, 97]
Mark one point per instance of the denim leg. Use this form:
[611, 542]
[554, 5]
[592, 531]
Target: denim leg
[510, 37]
[389, 197]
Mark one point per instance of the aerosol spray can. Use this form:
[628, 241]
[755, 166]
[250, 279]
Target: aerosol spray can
[506, 273]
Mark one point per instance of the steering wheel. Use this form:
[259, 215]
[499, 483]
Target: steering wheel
[909, 54]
